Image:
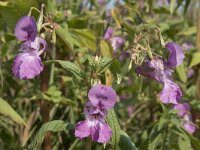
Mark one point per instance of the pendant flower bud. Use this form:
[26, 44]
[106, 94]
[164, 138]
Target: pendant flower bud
[176, 55]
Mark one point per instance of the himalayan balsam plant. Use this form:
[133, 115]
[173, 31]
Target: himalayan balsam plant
[100, 74]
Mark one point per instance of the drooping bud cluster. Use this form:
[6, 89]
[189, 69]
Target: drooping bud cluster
[161, 71]
[101, 99]
[28, 64]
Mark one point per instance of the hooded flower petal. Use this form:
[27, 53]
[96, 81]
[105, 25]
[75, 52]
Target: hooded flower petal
[183, 109]
[82, 129]
[102, 96]
[108, 34]
[27, 65]
[171, 93]
[176, 55]
[39, 44]
[26, 29]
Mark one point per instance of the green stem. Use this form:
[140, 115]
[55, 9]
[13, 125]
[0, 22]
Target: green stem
[1, 79]
[164, 139]
[73, 144]
[88, 145]
[51, 81]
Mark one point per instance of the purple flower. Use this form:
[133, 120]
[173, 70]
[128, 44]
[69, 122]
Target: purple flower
[161, 71]
[101, 2]
[190, 73]
[28, 64]
[94, 126]
[187, 45]
[176, 55]
[108, 34]
[189, 127]
[26, 29]
[102, 96]
[130, 110]
[117, 42]
[184, 113]
[182, 109]
[97, 130]
[171, 93]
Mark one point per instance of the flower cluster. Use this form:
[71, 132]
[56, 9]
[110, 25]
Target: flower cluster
[101, 98]
[28, 64]
[184, 113]
[161, 71]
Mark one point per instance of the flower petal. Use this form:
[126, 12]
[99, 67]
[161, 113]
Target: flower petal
[176, 55]
[82, 129]
[39, 44]
[102, 96]
[26, 29]
[171, 93]
[27, 66]
[108, 34]
[117, 42]
[189, 127]
[105, 133]
[183, 109]
[101, 132]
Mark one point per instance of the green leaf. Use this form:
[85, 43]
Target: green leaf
[7, 110]
[67, 37]
[117, 16]
[156, 137]
[181, 73]
[104, 64]
[53, 126]
[11, 12]
[85, 37]
[187, 3]
[106, 49]
[126, 142]
[115, 69]
[172, 6]
[114, 124]
[189, 31]
[69, 66]
[195, 59]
